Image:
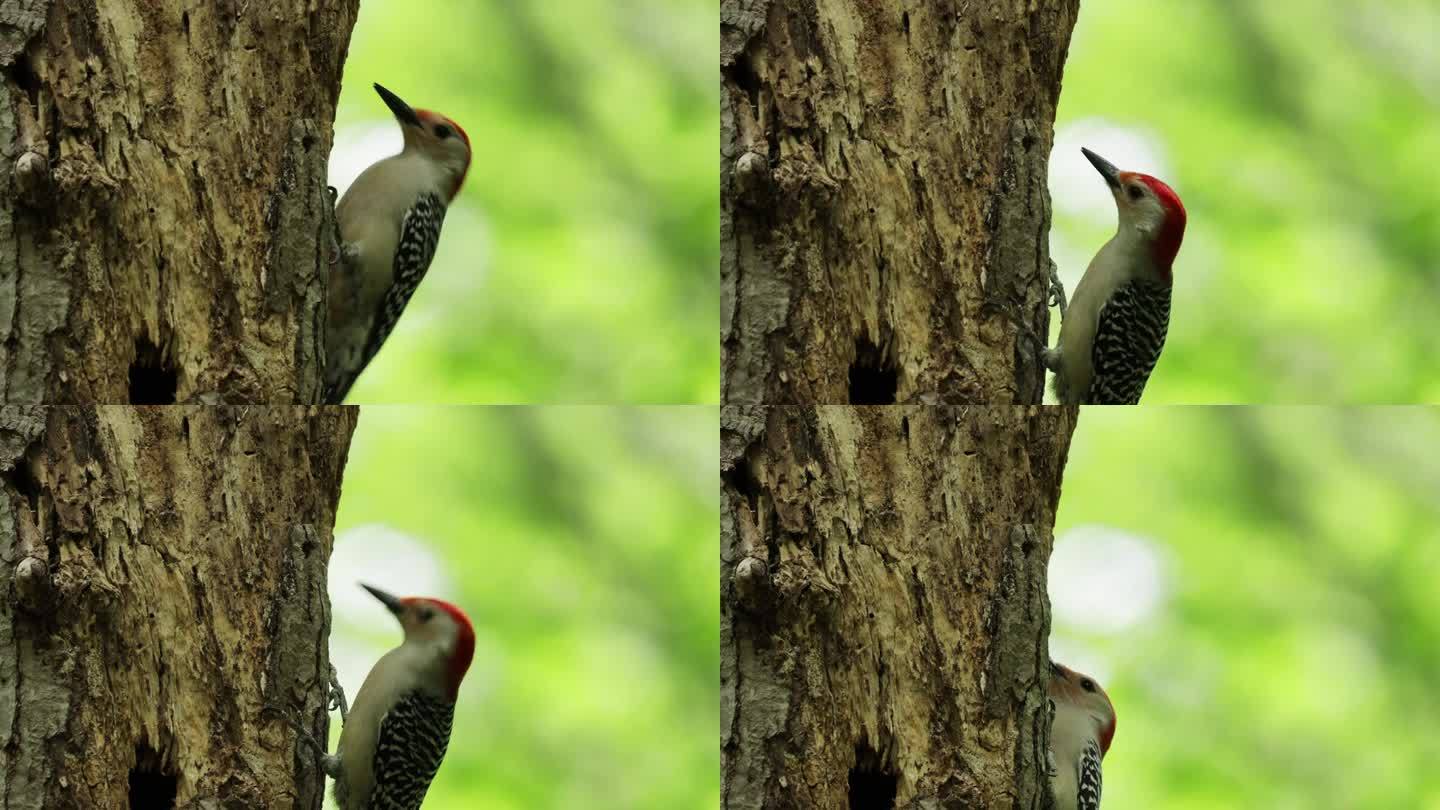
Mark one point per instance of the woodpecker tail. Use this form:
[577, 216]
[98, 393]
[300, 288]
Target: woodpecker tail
[334, 391]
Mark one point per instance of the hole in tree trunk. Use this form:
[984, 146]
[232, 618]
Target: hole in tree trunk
[152, 380]
[742, 73]
[742, 479]
[873, 378]
[23, 74]
[151, 786]
[871, 786]
[21, 478]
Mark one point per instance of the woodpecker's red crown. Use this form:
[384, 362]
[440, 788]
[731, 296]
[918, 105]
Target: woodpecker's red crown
[438, 625]
[1167, 239]
[431, 119]
[464, 650]
[437, 137]
[435, 124]
[1150, 206]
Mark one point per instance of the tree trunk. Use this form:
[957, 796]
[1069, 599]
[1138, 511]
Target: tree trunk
[884, 210]
[164, 220]
[162, 579]
[883, 612]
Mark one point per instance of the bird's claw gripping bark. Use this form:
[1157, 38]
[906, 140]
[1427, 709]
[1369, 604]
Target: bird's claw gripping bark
[339, 251]
[1050, 752]
[1057, 290]
[337, 696]
[294, 721]
[1025, 329]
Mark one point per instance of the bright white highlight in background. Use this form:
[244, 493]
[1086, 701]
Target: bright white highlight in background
[1105, 580]
[358, 147]
[368, 554]
[1077, 188]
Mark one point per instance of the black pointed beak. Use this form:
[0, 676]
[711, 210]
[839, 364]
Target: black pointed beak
[403, 113]
[391, 603]
[1106, 168]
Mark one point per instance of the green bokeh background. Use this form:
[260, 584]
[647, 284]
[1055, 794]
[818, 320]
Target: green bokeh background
[581, 542]
[1304, 138]
[578, 262]
[1292, 659]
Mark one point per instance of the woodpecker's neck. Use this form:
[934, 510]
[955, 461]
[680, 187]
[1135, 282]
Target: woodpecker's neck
[1073, 728]
[430, 663]
[1140, 254]
[444, 173]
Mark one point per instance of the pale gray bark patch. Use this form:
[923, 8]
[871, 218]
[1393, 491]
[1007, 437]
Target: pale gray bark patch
[298, 665]
[20, 20]
[739, 21]
[300, 218]
[1019, 254]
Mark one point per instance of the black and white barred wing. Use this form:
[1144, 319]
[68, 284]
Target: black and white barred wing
[1128, 339]
[412, 742]
[419, 234]
[1087, 795]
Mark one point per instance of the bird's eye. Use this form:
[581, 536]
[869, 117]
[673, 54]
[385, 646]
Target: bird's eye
[1087, 684]
[1136, 192]
[442, 131]
[426, 614]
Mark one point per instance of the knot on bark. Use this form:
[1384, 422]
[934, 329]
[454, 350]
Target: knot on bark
[752, 178]
[752, 584]
[32, 585]
[32, 179]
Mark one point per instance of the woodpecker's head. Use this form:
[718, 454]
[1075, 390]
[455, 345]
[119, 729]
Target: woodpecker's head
[1147, 207]
[1082, 692]
[434, 136]
[437, 626]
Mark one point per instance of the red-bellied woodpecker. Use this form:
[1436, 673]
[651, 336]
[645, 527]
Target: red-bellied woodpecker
[1114, 328]
[395, 734]
[389, 222]
[1081, 728]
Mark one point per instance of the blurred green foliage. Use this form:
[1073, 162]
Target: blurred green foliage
[1303, 137]
[581, 541]
[1292, 660]
[578, 263]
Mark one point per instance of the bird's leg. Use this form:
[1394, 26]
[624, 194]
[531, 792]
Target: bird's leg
[1057, 290]
[334, 228]
[1050, 752]
[1056, 298]
[337, 696]
[329, 763]
[339, 250]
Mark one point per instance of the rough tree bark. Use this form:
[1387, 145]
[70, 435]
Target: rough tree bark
[884, 617]
[162, 579]
[884, 210]
[163, 207]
